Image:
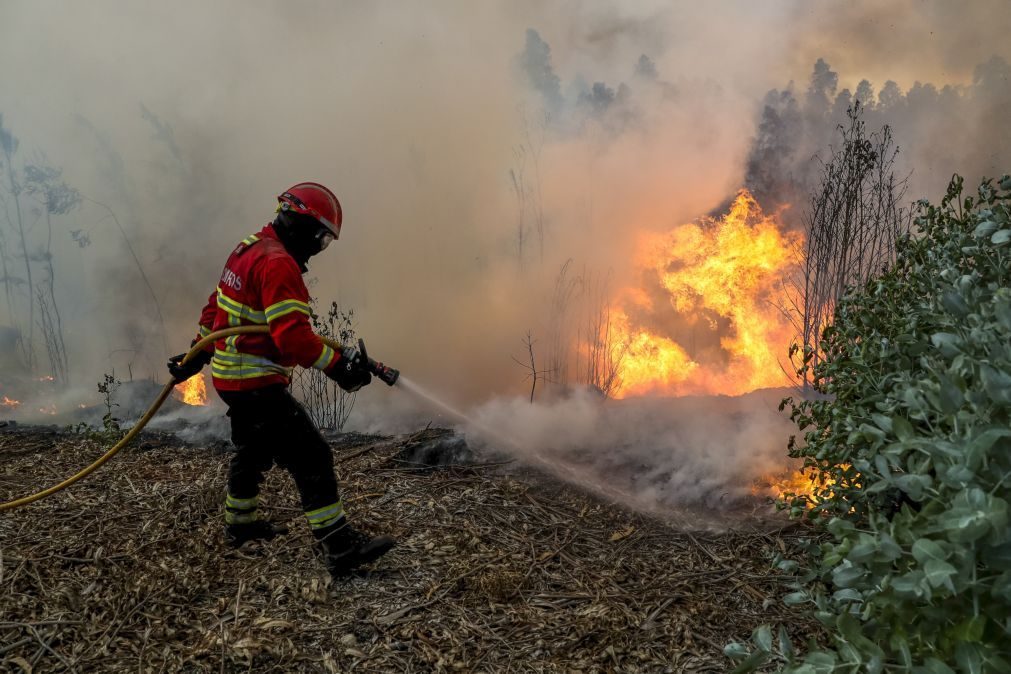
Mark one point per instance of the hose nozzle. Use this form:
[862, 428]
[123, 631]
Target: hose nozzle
[388, 374]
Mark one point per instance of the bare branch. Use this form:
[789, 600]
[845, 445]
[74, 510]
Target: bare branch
[853, 223]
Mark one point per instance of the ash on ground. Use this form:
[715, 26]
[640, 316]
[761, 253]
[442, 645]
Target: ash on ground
[434, 448]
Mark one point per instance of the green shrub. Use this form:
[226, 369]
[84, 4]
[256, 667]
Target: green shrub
[912, 439]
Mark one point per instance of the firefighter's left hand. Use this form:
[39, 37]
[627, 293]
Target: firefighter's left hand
[180, 372]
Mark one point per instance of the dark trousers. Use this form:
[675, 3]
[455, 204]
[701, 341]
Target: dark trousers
[269, 426]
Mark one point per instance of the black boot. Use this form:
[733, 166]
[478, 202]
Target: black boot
[345, 549]
[257, 530]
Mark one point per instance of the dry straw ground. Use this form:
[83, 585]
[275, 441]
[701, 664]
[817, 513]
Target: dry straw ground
[498, 570]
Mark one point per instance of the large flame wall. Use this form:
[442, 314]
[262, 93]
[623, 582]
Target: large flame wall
[710, 316]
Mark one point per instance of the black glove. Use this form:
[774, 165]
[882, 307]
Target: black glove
[351, 371]
[181, 373]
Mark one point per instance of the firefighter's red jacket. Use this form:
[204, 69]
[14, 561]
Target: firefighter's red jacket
[262, 285]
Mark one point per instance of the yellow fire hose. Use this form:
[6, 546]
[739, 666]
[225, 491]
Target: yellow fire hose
[151, 411]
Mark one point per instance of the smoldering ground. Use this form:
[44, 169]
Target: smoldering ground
[448, 130]
[688, 456]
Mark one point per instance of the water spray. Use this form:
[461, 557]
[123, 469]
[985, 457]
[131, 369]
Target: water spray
[563, 470]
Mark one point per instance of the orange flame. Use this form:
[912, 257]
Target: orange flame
[802, 483]
[709, 318]
[796, 482]
[10, 402]
[193, 391]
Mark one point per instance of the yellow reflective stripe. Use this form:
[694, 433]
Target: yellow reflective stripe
[325, 357]
[225, 371]
[250, 240]
[244, 366]
[326, 516]
[204, 331]
[285, 307]
[326, 523]
[232, 364]
[245, 374]
[239, 310]
[227, 359]
[230, 342]
[241, 518]
[325, 511]
[228, 304]
[241, 503]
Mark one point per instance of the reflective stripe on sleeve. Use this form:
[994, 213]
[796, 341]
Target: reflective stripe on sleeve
[204, 331]
[326, 357]
[285, 307]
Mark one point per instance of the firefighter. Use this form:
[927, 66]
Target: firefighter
[262, 285]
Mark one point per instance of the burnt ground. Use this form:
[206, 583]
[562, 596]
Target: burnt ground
[498, 569]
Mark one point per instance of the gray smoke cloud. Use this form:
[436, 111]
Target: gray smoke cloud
[447, 129]
[187, 131]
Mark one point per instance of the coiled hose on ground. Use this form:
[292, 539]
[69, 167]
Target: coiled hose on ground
[151, 411]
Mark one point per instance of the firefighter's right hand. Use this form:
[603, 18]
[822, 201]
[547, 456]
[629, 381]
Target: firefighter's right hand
[350, 371]
[181, 372]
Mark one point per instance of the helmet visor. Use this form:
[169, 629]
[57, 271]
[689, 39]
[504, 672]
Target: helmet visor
[334, 230]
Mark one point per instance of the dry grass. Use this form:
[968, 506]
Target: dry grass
[495, 572]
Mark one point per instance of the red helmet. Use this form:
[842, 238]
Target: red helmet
[316, 201]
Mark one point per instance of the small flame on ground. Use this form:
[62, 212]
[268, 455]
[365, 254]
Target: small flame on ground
[193, 391]
[49, 409]
[47, 378]
[10, 402]
[807, 483]
[795, 482]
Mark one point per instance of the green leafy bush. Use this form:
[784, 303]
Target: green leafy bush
[912, 443]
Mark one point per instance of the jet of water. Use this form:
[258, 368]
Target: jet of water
[490, 435]
[530, 455]
[432, 400]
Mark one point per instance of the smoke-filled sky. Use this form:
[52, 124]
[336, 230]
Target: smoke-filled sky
[428, 121]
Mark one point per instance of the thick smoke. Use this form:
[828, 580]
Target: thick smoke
[179, 134]
[476, 147]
